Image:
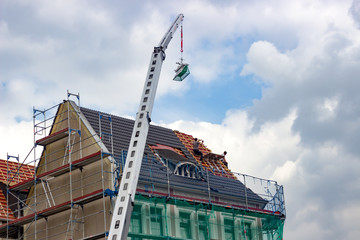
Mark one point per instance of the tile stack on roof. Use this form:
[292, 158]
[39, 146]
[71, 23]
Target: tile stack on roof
[12, 173]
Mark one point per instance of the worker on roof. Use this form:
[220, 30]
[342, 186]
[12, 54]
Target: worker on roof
[222, 158]
[196, 148]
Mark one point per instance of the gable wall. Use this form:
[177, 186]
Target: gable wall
[71, 185]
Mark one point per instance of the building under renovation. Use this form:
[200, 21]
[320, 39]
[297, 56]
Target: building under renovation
[92, 175]
[79, 156]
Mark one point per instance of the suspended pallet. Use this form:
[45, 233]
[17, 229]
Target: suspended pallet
[182, 72]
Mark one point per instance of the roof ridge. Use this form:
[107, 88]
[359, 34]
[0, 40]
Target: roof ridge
[153, 124]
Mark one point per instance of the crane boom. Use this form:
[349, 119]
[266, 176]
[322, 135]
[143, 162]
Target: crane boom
[120, 221]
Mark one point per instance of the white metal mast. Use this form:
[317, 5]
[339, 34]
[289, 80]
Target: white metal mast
[125, 200]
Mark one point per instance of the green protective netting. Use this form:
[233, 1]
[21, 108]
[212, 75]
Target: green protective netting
[170, 218]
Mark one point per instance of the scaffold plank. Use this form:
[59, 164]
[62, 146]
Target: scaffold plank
[61, 170]
[53, 210]
[89, 197]
[96, 236]
[53, 137]
[23, 185]
[90, 159]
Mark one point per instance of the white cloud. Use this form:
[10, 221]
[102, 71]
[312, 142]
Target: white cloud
[355, 12]
[265, 61]
[17, 146]
[347, 217]
[285, 172]
[67, 14]
[327, 109]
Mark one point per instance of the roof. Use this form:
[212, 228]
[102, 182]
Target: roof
[153, 171]
[18, 172]
[11, 173]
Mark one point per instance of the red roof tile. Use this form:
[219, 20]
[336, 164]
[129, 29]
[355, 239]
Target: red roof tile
[215, 166]
[13, 173]
[17, 172]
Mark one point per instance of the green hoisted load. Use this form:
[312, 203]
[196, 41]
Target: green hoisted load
[182, 72]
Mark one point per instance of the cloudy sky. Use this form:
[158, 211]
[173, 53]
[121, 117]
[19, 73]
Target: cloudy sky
[273, 82]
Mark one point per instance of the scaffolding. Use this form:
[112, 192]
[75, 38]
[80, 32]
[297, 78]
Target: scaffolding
[76, 176]
[69, 178]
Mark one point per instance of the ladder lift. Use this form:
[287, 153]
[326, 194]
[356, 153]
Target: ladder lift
[120, 221]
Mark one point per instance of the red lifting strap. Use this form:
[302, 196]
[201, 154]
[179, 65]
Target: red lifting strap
[181, 38]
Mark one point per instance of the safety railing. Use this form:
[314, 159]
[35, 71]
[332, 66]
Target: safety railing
[162, 177]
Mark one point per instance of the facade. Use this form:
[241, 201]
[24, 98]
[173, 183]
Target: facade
[79, 167]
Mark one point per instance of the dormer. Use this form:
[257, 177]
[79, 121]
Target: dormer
[176, 162]
[188, 169]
